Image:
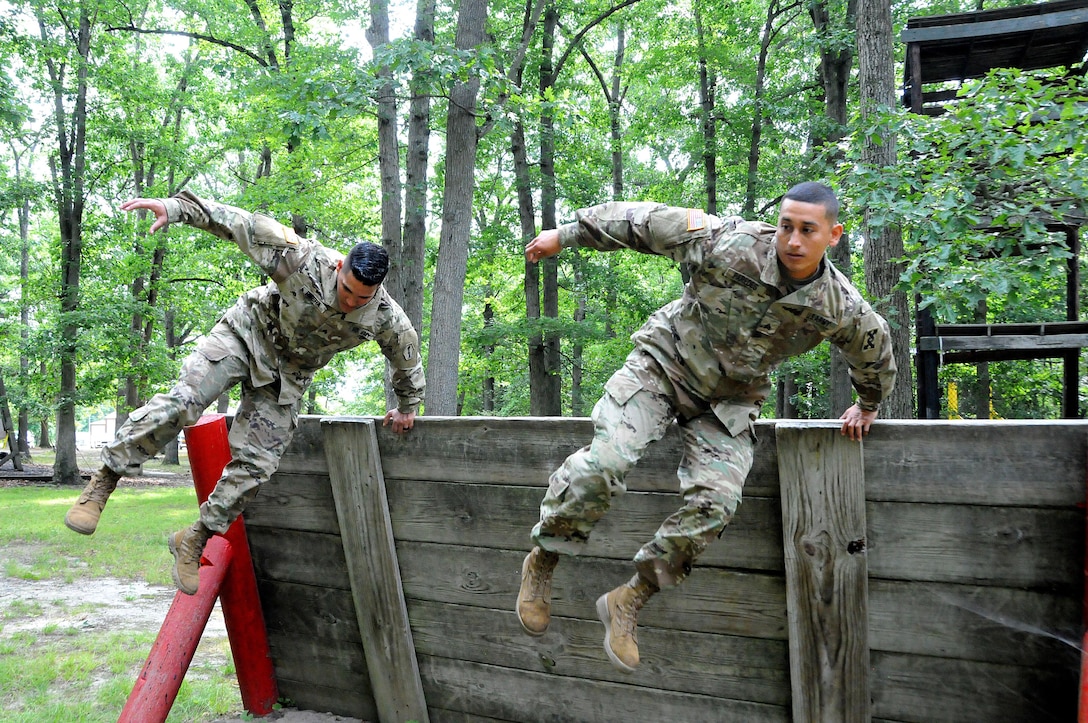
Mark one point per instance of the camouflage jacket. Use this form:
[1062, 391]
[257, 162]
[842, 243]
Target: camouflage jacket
[293, 325]
[738, 318]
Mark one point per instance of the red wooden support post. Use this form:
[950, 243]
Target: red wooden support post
[209, 453]
[155, 690]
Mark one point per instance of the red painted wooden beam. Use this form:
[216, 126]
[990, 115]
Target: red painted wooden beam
[209, 453]
[155, 690]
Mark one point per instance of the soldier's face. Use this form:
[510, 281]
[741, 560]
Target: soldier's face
[804, 233]
[350, 292]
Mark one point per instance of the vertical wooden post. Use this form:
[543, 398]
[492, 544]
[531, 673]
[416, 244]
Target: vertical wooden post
[823, 529]
[358, 485]
[1082, 696]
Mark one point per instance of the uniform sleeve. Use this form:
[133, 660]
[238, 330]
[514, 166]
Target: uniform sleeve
[681, 234]
[273, 246]
[400, 345]
[866, 345]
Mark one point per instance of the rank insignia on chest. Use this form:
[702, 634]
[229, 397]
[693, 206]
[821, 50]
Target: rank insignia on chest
[767, 325]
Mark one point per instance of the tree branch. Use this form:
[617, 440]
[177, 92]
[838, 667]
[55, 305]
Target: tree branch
[196, 36]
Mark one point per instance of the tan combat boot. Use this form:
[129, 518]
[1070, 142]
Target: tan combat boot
[83, 517]
[187, 546]
[534, 597]
[618, 610]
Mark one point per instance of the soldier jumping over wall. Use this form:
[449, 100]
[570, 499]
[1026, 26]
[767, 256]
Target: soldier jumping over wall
[758, 294]
[271, 342]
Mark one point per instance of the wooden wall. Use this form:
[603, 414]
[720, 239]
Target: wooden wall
[974, 550]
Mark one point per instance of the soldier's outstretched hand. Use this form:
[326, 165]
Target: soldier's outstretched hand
[154, 205]
[544, 245]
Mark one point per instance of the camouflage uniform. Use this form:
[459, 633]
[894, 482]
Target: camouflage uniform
[272, 342]
[703, 360]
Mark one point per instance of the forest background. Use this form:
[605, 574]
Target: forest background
[452, 134]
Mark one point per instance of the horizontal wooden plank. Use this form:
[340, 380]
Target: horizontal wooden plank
[308, 610]
[503, 516]
[510, 451]
[988, 624]
[528, 697]
[998, 546]
[304, 657]
[1022, 463]
[1029, 342]
[306, 695]
[713, 600]
[1041, 328]
[307, 558]
[294, 501]
[918, 688]
[740, 668]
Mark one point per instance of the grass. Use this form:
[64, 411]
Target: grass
[130, 542]
[59, 673]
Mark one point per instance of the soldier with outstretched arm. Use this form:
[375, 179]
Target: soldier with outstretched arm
[758, 294]
[271, 343]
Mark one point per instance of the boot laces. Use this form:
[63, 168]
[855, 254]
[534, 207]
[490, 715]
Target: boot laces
[539, 577]
[190, 548]
[97, 490]
[627, 612]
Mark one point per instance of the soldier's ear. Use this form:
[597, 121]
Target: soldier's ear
[836, 234]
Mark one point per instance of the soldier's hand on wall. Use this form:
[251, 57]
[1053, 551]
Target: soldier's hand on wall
[856, 422]
[401, 422]
[154, 205]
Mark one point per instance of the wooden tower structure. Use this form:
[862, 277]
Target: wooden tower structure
[950, 48]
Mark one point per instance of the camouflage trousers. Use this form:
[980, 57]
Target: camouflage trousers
[637, 408]
[261, 430]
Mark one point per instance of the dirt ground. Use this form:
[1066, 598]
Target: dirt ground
[125, 605]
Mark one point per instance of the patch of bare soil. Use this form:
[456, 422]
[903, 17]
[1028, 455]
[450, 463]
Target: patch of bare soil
[108, 604]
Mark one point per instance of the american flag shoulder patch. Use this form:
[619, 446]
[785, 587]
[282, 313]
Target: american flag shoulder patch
[696, 219]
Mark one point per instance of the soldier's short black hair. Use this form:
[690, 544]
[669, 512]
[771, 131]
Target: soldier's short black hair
[369, 263]
[817, 193]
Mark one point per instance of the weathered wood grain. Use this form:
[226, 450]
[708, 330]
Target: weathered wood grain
[1002, 546]
[975, 553]
[351, 452]
[823, 527]
[1001, 463]
[510, 451]
[743, 668]
[914, 688]
[541, 698]
[970, 622]
[307, 695]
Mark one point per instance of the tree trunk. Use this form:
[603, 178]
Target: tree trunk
[377, 34]
[751, 191]
[68, 190]
[836, 61]
[24, 318]
[876, 75]
[527, 218]
[551, 388]
[708, 84]
[488, 392]
[417, 154]
[444, 347]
